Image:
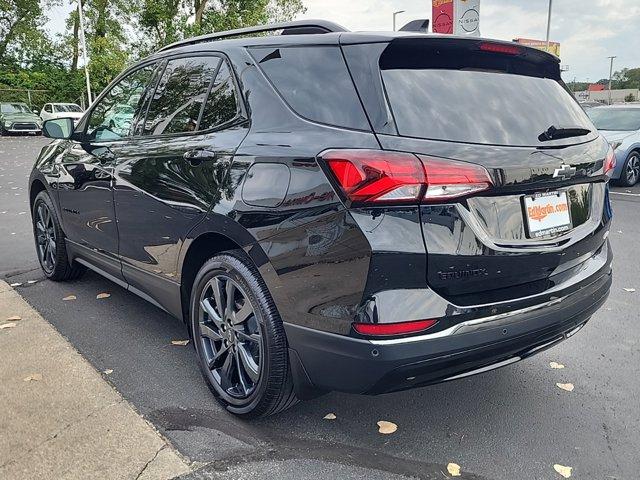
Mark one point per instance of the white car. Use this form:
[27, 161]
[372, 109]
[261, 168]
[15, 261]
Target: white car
[62, 110]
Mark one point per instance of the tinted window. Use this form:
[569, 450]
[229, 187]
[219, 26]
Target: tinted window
[176, 105]
[627, 119]
[111, 117]
[479, 106]
[222, 102]
[315, 82]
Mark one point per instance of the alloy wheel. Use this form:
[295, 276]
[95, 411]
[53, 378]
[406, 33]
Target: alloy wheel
[633, 169]
[230, 337]
[45, 237]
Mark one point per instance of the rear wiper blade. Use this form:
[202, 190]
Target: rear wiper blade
[553, 133]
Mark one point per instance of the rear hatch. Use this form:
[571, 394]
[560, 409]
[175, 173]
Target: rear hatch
[504, 108]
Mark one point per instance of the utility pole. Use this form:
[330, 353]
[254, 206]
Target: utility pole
[84, 51]
[610, 75]
[394, 18]
[549, 23]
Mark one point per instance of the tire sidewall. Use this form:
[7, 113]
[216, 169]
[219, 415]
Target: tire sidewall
[236, 269]
[623, 175]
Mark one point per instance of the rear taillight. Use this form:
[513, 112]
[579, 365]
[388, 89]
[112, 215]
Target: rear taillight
[380, 177]
[609, 162]
[447, 179]
[399, 328]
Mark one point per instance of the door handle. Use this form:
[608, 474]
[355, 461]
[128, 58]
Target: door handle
[196, 157]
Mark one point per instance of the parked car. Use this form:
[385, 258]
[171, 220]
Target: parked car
[620, 125]
[15, 117]
[590, 104]
[361, 212]
[61, 110]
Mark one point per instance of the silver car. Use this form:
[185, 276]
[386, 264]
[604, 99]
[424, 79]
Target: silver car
[620, 125]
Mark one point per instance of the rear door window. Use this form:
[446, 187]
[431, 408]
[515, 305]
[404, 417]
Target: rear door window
[222, 102]
[315, 82]
[180, 95]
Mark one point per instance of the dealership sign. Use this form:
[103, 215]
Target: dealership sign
[459, 17]
[554, 47]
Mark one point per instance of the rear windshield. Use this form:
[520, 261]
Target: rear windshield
[475, 103]
[620, 119]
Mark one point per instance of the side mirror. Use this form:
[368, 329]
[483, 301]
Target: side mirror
[58, 128]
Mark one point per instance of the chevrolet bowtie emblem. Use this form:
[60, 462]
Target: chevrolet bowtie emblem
[565, 172]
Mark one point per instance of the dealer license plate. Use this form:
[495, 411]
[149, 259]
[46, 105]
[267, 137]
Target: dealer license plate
[547, 214]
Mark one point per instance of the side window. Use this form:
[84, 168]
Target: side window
[111, 118]
[222, 102]
[176, 105]
[47, 108]
[315, 82]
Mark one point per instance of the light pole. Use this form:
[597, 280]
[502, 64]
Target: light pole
[394, 18]
[84, 51]
[549, 23]
[610, 75]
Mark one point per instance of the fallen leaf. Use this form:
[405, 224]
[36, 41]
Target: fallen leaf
[17, 284]
[181, 343]
[562, 470]
[330, 416]
[630, 290]
[565, 386]
[7, 325]
[453, 469]
[69, 297]
[108, 371]
[556, 365]
[103, 295]
[34, 377]
[386, 428]
[14, 318]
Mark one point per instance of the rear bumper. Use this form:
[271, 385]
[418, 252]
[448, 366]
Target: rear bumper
[327, 361]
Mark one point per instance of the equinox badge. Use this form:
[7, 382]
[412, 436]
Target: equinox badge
[565, 172]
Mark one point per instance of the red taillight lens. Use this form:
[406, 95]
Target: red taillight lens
[609, 162]
[374, 176]
[447, 179]
[400, 328]
[500, 48]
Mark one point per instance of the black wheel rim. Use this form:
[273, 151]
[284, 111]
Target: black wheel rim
[230, 337]
[633, 169]
[45, 237]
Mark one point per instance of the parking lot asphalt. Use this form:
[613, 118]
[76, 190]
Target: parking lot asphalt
[512, 423]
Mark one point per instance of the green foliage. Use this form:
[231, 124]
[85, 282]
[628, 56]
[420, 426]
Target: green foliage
[31, 59]
[630, 98]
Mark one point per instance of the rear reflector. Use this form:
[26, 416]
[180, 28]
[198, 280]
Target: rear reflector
[609, 162]
[381, 177]
[399, 328]
[500, 48]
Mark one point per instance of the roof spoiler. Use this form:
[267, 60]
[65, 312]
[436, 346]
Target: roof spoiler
[421, 25]
[298, 27]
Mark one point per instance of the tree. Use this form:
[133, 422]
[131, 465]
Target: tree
[18, 20]
[166, 21]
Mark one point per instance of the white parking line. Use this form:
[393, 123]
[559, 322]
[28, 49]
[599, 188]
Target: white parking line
[627, 194]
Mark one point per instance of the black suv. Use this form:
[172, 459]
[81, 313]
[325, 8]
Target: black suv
[329, 210]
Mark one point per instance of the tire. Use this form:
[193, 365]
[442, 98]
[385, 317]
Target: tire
[630, 173]
[50, 241]
[242, 355]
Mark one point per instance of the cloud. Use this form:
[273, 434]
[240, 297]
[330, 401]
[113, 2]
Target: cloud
[588, 30]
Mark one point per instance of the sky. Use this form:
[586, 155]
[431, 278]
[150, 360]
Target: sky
[588, 30]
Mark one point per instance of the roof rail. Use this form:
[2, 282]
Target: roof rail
[297, 27]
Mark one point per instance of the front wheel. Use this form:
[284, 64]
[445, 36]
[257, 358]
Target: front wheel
[631, 170]
[50, 241]
[239, 337]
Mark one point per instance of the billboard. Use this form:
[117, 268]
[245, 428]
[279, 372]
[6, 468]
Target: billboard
[554, 47]
[442, 16]
[459, 17]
